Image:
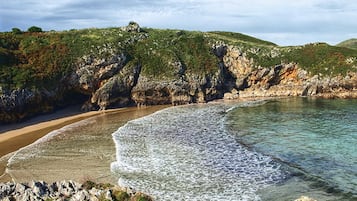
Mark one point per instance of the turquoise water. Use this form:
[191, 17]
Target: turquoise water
[263, 150]
[317, 137]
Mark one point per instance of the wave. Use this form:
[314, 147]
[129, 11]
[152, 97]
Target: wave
[185, 153]
[33, 150]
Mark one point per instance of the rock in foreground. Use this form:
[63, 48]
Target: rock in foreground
[304, 198]
[67, 190]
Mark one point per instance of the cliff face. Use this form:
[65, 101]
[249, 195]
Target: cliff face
[283, 80]
[192, 89]
[137, 74]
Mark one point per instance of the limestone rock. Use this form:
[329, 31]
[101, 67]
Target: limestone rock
[305, 198]
[178, 91]
[92, 71]
[234, 94]
[132, 27]
[116, 90]
[60, 190]
[19, 104]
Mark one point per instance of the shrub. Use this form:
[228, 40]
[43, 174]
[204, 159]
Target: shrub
[120, 195]
[142, 197]
[34, 29]
[16, 30]
[89, 185]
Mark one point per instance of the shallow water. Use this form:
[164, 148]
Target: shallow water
[241, 151]
[316, 136]
[80, 151]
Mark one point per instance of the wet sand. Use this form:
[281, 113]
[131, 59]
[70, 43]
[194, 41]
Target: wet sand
[80, 152]
[12, 140]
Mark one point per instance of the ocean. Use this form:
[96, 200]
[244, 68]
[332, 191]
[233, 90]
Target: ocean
[278, 149]
[269, 150]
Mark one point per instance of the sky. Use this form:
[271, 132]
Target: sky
[284, 22]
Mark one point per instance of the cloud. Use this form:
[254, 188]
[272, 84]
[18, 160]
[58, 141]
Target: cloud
[300, 21]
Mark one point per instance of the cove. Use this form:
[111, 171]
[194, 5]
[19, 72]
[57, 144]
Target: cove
[262, 150]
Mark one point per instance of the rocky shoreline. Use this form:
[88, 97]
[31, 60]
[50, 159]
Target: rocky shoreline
[67, 190]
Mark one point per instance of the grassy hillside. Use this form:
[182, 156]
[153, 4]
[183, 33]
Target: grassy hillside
[316, 58]
[41, 59]
[351, 43]
[239, 38]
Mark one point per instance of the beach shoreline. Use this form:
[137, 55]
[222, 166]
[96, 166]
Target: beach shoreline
[52, 167]
[13, 140]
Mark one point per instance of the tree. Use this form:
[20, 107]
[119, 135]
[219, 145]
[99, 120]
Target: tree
[34, 29]
[16, 30]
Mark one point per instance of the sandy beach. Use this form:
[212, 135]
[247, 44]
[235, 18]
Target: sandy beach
[14, 139]
[84, 150]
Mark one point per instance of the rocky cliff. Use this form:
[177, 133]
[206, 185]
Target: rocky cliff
[284, 80]
[137, 67]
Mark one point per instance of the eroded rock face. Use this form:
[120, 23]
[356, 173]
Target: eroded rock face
[282, 80]
[117, 89]
[92, 72]
[184, 90]
[104, 80]
[21, 103]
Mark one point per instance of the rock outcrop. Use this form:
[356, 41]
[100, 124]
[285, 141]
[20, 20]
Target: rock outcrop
[23, 103]
[132, 27]
[283, 80]
[66, 190]
[107, 82]
[191, 89]
[305, 198]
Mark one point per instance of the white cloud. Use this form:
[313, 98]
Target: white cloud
[281, 21]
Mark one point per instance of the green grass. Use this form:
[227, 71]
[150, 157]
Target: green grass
[351, 43]
[317, 58]
[163, 48]
[238, 37]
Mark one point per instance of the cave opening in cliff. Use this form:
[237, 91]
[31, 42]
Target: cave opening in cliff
[74, 98]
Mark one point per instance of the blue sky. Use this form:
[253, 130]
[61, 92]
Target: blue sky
[285, 22]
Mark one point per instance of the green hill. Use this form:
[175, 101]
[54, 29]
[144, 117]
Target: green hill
[120, 66]
[37, 59]
[351, 43]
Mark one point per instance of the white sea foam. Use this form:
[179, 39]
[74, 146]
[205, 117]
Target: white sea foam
[31, 150]
[184, 153]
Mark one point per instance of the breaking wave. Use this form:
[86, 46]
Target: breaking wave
[185, 153]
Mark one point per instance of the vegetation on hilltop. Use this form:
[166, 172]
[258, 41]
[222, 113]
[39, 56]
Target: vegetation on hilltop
[238, 37]
[37, 59]
[316, 58]
[351, 43]
[159, 52]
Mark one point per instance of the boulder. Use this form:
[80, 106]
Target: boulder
[132, 27]
[305, 198]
